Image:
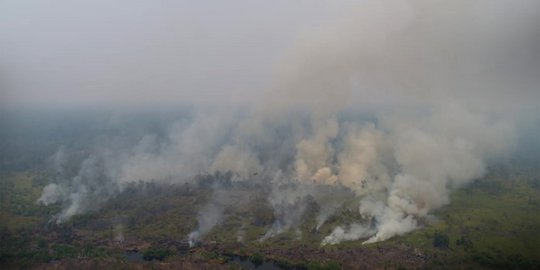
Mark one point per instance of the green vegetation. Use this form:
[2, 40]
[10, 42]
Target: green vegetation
[492, 223]
[329, 265]
[284, 263]
[440, 240]
[256, 258]
[157, 253]
[18, 195]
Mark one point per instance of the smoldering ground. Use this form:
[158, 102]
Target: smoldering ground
[394, 104]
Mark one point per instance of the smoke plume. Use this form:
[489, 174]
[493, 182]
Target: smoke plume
[396, 105]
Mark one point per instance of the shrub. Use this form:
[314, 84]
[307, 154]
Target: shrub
[329, 265]
[155, 253]
[256, 259]
[485, 259]
[284, 264]
[64, 251]
[441, 240]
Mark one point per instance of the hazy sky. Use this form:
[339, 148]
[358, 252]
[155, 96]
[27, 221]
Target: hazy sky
[67, 52]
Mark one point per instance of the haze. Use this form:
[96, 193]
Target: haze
[396, 102]
[124, 53]
[140, 53]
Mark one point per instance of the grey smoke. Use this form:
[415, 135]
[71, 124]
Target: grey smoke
[288, 202]
[92, 185]
[353, 232]
[443, 81]
[212, 213]
[208, 217]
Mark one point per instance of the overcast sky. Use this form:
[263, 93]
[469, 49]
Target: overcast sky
[56, 53]
[68, 52]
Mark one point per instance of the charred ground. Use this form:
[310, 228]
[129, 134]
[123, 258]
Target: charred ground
[489, 224]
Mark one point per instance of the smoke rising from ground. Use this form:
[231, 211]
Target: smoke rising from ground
[442, 83]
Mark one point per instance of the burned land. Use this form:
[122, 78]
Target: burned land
[488, 225]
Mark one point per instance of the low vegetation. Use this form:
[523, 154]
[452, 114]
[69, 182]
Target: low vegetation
[492, 223]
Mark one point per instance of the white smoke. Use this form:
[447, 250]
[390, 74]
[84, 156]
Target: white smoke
[208, 217]
[213, 212]
[288, 202]
[189, 150]
[93, 184]
[314, 154]
[244, 163]
[433, 76]
[353, 232]
[51, 194]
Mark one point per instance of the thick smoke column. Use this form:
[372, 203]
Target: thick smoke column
[433, 77]
[406, 163]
